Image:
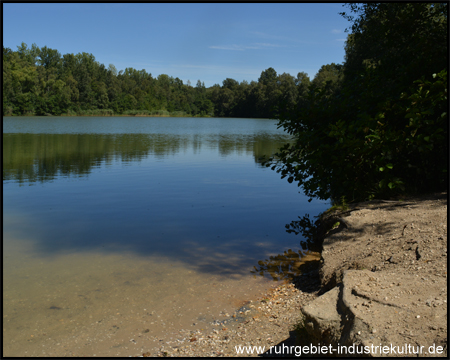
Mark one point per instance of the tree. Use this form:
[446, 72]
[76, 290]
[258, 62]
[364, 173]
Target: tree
[112, 69]
[49, 58]
[268, 76]
[376, 127]
[81, 76]
[328, 74]
[229, 84]
[29, 55]
[394, 44]
[288, 94]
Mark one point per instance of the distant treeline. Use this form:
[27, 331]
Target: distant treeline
[39, 81]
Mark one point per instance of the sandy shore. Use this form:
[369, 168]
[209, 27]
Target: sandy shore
[407, 237]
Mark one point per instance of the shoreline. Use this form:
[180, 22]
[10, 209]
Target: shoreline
[122, 115]
[267, 321]
[103, 115]
[303, 312]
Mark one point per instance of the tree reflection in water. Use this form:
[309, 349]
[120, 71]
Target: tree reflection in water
[288, 265]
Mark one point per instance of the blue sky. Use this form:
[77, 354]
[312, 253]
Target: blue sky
[207, 42]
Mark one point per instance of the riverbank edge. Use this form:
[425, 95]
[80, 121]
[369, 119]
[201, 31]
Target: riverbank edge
[282, 317]
[349, 283]
[128, 115]
[107, 115]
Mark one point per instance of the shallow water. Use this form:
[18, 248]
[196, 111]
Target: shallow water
[119, 229]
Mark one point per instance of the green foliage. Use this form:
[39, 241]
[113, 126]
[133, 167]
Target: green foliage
[328, 76]
[40, 81]
[268, 76]
[96, 112]
[412, 156]
[338, 205]
[377, 126]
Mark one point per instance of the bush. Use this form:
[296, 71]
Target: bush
[95, 112]
[376, 132]
[401, 149]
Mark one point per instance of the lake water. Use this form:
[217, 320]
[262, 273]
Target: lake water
[120, 228]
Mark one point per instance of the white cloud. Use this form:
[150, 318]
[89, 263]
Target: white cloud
[269, 45]
[264, 35]
[235, 47]
[336, 31]
[228, 47]
[295, 40]
[341, 39]
[218, 68]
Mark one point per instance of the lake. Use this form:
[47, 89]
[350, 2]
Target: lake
[119, 228]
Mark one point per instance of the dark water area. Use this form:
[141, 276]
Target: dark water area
[169, 186]
[131, 199]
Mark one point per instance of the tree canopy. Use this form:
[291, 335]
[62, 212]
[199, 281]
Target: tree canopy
[376, 126]
[41, 81]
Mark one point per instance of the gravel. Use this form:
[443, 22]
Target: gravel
[266, 321]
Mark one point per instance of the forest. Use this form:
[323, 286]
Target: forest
[41, 81]
[374, 126]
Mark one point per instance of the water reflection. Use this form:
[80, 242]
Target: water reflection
[286, 266]
[31, 157]
[128, 214]
[186, 189]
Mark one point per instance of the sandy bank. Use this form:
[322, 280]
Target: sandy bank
[382, 281]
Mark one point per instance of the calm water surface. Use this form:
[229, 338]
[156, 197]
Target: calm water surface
[116, 226]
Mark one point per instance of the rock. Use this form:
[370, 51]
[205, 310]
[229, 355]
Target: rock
[322, 319]
[376, 287]
[356, 313]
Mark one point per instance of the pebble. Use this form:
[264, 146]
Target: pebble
[259, 324]
[255, 326]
